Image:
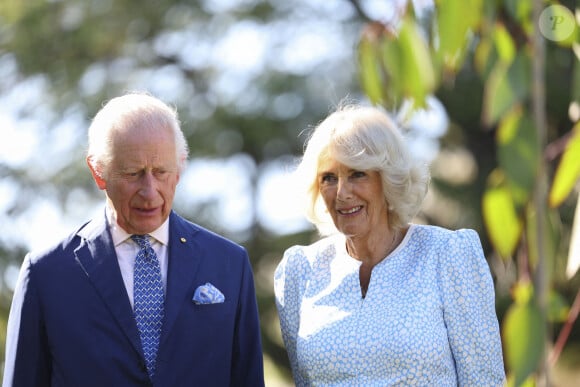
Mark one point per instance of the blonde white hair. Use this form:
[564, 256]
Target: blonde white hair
[364, 138]
[131, 110]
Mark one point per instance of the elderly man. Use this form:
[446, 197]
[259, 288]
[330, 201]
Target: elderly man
[138, 296]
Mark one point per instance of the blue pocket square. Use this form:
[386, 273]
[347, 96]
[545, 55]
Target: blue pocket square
[208, 294]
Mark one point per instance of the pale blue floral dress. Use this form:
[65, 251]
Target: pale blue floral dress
[428, 318]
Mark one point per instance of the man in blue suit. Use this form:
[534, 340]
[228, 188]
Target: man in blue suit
[77, 317]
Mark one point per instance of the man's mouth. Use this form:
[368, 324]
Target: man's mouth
[146, 210]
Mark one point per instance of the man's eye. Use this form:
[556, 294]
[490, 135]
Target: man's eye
[132, 175]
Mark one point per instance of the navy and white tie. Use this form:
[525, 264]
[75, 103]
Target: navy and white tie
[148, 299]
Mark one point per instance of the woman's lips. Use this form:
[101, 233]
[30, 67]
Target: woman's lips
[350, 211]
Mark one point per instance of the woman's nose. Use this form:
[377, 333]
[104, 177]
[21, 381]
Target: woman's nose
[344, 189]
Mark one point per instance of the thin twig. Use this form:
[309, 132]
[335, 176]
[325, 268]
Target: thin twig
[565, 332]
[540, 189]
[360, 11]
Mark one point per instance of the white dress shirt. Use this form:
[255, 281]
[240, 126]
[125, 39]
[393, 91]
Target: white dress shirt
[127, 250]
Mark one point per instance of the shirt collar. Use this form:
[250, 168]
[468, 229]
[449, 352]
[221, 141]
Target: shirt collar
[119, 235]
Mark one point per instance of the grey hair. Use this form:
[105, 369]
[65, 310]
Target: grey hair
[364, 138]
[131, 110]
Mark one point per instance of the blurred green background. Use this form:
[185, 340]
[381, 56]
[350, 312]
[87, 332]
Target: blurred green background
[249, 78]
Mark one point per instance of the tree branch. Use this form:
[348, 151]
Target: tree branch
[360, 11]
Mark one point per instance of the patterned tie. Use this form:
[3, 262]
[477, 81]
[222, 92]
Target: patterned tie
[148, 299]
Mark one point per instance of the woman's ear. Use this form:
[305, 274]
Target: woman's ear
[97, 174]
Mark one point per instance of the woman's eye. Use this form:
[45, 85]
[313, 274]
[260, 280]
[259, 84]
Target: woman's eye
[328, 178]
[358, 174]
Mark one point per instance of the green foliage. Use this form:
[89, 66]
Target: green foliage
[503, 223]
[508, 84]
[395, 67]
[523, 335]
[568, 171]
[455, 21]
[408, 62]
[558, 308]
[476, 56]
[551, 226]
[497, 40]
[518, 153]
[370, 67]
[79, 53]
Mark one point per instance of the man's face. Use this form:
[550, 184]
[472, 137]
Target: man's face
[141, 178]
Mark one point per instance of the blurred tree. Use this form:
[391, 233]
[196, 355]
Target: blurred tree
[248, 77]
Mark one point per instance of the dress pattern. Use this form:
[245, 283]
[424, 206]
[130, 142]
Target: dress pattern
[428, 318]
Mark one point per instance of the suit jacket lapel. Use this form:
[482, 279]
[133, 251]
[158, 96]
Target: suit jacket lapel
[183, 263]
[97, 256]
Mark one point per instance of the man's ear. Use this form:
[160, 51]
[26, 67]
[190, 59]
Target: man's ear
[97, 175]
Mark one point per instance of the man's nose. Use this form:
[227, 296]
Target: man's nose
[147, 185]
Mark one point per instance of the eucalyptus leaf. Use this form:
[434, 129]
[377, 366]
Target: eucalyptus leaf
[523, 335]
[568, 170]
[501, 219]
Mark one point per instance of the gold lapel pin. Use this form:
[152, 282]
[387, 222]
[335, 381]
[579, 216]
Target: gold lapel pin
[183, 240]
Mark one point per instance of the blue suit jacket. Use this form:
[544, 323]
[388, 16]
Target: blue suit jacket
[71, 323]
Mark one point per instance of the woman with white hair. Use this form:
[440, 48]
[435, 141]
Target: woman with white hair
[381, 301]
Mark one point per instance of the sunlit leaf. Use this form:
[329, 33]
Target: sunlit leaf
[523, 336]
[520, 72]
[521, 11]
[523, 292]
[484, 56]
[529, 382]
[558, 307]
[504, 44]
[408, 65]
[500, 216]
[393, 61]
[455, 20]
[370, 69]
[550, 237]
[568, 170]
[574, 253]
[518, 153]
[498, 95]
[505, 87]
[418, 73]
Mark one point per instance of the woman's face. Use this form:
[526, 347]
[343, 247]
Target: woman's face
[353, 198]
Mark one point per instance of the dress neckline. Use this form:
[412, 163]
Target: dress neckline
[343, 253]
